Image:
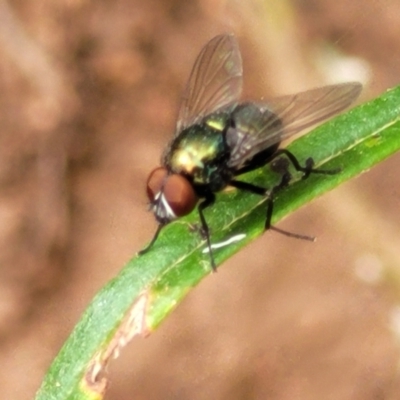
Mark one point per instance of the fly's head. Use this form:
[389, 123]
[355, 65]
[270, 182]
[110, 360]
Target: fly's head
[171, 195]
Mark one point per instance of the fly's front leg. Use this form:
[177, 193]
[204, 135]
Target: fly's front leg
[148, 247]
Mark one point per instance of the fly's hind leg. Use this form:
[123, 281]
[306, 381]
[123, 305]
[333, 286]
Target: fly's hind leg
[281, 168]
[307, 170]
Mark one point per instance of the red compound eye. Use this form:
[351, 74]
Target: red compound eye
[179, 194]
[174, 189]
[155, 182]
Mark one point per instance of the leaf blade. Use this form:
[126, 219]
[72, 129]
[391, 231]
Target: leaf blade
[355, 141]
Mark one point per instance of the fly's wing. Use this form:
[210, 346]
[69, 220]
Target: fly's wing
[284, 117]
[214, 83]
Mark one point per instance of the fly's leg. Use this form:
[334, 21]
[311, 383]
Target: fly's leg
[286, 177]
[205, 231]
[308, 168]
[281, 166]
[150, 245]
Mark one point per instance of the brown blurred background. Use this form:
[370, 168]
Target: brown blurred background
[89, 93]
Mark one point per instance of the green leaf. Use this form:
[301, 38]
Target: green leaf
[150, 286]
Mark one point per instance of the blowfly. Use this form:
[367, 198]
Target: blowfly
[218, 138]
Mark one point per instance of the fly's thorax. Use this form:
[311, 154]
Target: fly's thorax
[200, 152]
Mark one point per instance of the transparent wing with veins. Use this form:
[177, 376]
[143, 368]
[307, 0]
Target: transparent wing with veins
[282, 117]
[214, 83]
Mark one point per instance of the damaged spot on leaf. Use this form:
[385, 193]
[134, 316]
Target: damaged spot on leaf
[133, 324]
